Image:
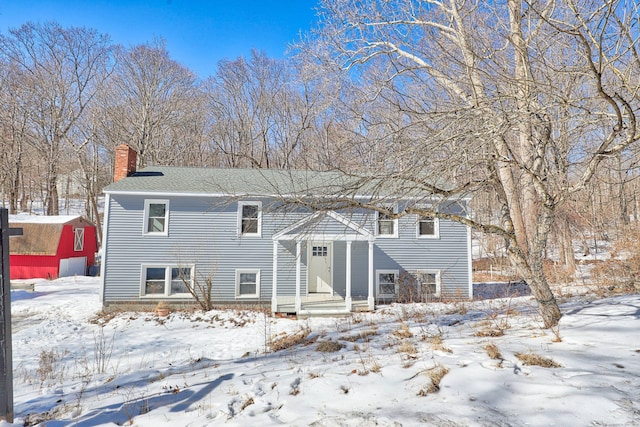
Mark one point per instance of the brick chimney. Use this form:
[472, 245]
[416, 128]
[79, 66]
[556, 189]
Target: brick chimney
[125, 162]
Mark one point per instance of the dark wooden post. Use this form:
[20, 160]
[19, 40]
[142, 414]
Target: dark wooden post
[6, 365]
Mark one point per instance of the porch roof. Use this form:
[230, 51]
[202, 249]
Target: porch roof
[305, 229]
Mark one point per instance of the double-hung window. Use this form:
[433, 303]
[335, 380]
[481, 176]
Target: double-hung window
[78, 239]
[248, 283]
[428, 282]
[428, 227]
[156, 217]
[387, 283]
[387, 226]
[166, 281]
[250, 219]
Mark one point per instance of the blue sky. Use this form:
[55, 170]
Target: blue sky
[198, 33]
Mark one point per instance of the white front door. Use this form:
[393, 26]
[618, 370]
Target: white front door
[320, 267]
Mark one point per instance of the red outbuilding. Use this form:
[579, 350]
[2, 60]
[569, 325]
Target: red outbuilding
[51, 246]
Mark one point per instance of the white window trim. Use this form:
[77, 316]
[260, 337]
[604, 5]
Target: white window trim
[394, 209]
[438, 279]
[167, 280]
[78, 239]
[378, 273]
[145, 222]
[436, 229]
[239, 225]
[248, 270]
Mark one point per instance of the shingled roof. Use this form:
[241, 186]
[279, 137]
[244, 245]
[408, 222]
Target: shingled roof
[264, 182]
[165, 179]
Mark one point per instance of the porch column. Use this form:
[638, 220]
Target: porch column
[370, 299]
[347, 298]
[298, 262]
[274, 284]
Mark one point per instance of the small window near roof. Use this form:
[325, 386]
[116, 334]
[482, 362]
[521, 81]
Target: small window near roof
[387, 225]
[156, 216]
[249, 218]
[427, 226]
[78, 239]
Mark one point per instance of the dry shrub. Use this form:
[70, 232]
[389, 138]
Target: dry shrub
[407, 347]
[364, 335]
[51, 366]
[493, 270]
[103, 317]
[489, 332]
[403, 332]
[329, 346]
[532, 359]
[437, 342]
[247, 403]
[621, 275]
[492, 351]
[483, 276]
[410, 289]
[617, 276]
[555, 272]
[287, 341]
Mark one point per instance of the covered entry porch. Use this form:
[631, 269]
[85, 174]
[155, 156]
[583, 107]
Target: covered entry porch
[319, 235]
[319, 304]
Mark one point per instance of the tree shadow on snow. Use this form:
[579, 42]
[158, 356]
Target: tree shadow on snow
[123, 413]
[624, 306]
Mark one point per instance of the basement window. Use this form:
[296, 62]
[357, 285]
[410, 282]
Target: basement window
[166, 281]
[387, 283]
[247, 283]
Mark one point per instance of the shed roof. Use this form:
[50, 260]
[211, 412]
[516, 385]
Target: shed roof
[40, 234]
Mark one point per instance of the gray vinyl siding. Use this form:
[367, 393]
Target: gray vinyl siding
[447, 254]
[203, 231]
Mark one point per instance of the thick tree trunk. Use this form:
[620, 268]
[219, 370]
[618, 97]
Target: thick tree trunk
[533, 274]
[549, 310]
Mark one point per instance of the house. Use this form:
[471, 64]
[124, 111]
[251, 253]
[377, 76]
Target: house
[51, 246]
[248, 232]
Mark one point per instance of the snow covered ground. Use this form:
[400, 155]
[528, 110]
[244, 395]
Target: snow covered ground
[72, 367]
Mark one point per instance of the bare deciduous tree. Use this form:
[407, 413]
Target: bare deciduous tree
[150, 105]
[523, 99]
[60, 71]
[261, 114]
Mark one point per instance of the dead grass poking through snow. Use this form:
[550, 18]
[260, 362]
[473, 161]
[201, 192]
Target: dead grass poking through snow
[532, 359]
[364, 335]
[435, 374]
[329, 346]
[407, 347]
[437, 342]
[488, 329]
[403, 331]
[286, 341]
[493, 352]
